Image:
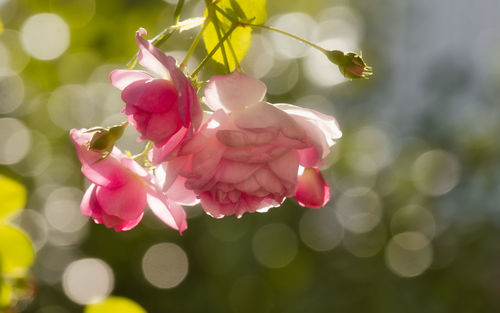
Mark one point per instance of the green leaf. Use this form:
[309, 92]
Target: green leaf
[5, 294]
[253, 11]
[1, 26]
[235, 10]
[12, 197]
[16, 251]
[115, 305]
[238, 10]
[239, 40]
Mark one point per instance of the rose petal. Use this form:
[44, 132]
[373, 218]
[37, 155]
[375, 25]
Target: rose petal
[235, 172]
[204, 164]
[189, 104]
[268, 181]
[112, 221]
[89, 205]
[268, 203]
[249, 185]
[214, 208]
[168, 172]
[178, 193]
[150, 57]
[327, 123]
[122, 78]
[286, 167]
[264, 115]
[321, 129]
[233, 92]
[128, 225]
[126, 202]
[168, 211]
[119, 224]
[151, 95]
[162, 126]
[162, 151]
[313, 191]
[135, 168]
[309, 157]
[233, 138]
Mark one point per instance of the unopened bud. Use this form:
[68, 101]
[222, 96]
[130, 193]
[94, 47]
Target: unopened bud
[350, 64]
[103, 139]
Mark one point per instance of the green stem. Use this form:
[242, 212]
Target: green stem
[307, 42]
[233, 53]
[229, 18]
[178, 10]
[144, 154]
[158, 40]
[194, 44]
[215, 21]
[133, 62]
[205, 60]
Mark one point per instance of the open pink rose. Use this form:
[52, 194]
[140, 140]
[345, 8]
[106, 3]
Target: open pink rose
[164, 109]
[120, 189]
[246, 156]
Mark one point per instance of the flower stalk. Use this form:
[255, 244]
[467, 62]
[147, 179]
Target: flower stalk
[350, 64]
[219, 44]
[193, 46]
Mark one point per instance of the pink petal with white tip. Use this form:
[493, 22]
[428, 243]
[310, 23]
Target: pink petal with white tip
[168, 211]
[180, 194]
[122, 78]
[150, 57]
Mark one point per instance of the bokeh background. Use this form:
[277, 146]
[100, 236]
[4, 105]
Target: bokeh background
[414, 223]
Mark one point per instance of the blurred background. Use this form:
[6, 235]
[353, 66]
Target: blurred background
[414, 221]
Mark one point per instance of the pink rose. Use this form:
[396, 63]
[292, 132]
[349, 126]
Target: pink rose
[165, 109]
[246, 156]
[120, 189]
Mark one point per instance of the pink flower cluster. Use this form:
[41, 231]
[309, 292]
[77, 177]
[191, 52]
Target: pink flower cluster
[246, 155]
